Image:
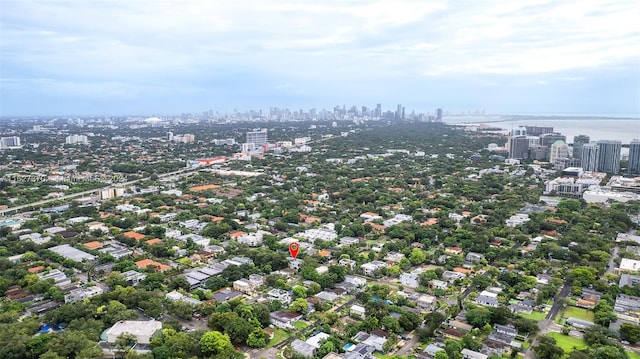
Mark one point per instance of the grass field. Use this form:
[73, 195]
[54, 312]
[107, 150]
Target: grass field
[567, 343]
[300, 325]
[633, 355]
[278, 336]
[537, 316]
[578, 313]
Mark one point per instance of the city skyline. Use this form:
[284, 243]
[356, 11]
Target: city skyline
[89, 58]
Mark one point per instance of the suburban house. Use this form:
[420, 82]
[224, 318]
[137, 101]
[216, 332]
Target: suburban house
[284, 320]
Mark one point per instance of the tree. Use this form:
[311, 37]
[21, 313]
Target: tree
[478, 317]
[391, 324]
[441, 355]
[216, 343]
[547, 348]
[500, 315]
[583, 276]
[125, 342]
[470, 343]
[630, 332]
[300, 291]
[299, 305]
[453, 349]
[258, 338]
[525, 325]
[417, 256]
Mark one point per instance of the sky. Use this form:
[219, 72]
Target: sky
[103, 57]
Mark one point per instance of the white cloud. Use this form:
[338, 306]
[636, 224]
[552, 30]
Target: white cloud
[304, 42]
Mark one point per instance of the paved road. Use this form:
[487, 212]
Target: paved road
[612, 264]
[408, 346]
[558, 302]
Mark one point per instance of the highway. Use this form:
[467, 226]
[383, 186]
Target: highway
[39, 204]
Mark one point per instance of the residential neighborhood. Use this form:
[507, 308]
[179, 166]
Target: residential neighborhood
[415, 241]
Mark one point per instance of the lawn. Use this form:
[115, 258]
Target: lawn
[535, 315]
[633, 355]
[567, 343]
[278, 336]
[300, 325]
[578, 313]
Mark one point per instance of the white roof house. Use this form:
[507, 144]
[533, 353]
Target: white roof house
[142, 330]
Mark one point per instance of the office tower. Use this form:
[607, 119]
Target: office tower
[609, 156]
[589, 157]
[439, 114]
[398, 112]
[634, 157]
[379, 110]
[558, 150]
[169, 136]
[258, 138]
[12, 141]
[520, 131]
[578, 142]
[519, 147]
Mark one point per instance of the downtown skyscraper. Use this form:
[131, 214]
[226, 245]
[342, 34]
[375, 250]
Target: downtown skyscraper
[609, 156]
[578, 142]
[634, 157]
[589, 157]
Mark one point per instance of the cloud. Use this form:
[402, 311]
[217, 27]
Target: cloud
[306, 44]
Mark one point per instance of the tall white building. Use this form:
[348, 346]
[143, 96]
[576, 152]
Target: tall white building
[10, 142]
[76, 140]
[258, 138]
[559, 149]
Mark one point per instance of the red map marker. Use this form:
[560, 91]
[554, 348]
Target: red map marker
[294, 247]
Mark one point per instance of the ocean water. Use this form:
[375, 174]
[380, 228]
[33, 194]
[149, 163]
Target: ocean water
[622, 129]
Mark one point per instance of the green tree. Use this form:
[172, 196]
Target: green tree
[453, 349]
[630, 332]
[216, 343]
[299, 305]
[257, 339]
[441, 355]
[478, 317]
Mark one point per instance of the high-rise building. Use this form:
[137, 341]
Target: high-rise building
[12, 141]
[439, 114]
[609, 156]
[547, 139]
[258, 138]
[578, 142]
[76, 139]
[379, 110]
[169, 136]
[634, 157]
[559, 150]
[589, 157]
[519, 147]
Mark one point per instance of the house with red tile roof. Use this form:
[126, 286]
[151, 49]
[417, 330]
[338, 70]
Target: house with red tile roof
[133, 235]
[142, 264]
[93, 245]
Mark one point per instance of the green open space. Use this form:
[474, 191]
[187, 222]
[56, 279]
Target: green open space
[278, 336]
[633, 355]
[567, 343]
[300, 325]
[578, 313]
[535, 315]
